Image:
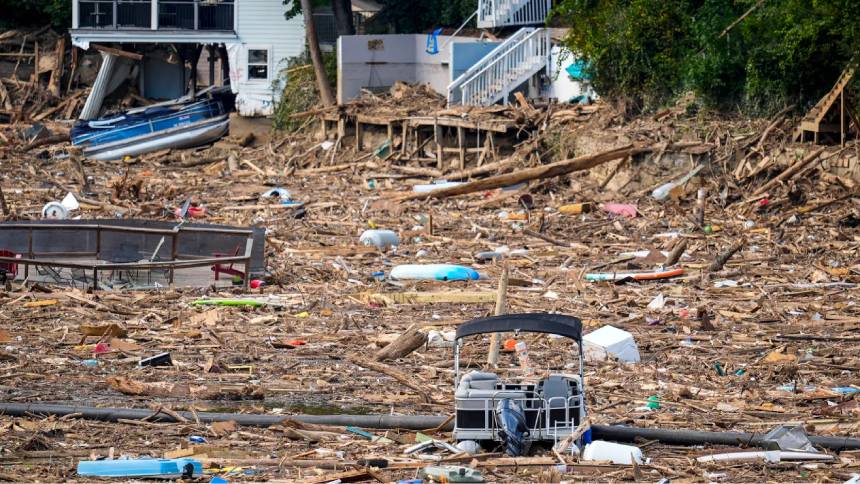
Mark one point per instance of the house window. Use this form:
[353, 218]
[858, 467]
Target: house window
[258, 64]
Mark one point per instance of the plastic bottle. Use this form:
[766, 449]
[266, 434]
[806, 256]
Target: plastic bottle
[523, 357]
[381, 239]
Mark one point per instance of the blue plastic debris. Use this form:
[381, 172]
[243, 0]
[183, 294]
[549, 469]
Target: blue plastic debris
[165, 468]
[218, 480]
[197, 439]
[432, 47]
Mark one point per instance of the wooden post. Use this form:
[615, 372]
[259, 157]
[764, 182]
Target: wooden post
[3, 205]
[57, 73]
[404, 138]
[700, 206]
[36, 60]
[842, 118]
[357, 135]
[439, 157]
[210, 49]
[501, 300]
[461, 144]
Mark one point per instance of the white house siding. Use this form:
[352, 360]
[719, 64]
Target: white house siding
[260, 24]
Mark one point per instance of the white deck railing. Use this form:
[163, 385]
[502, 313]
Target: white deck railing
[504, 68]
[501, 13]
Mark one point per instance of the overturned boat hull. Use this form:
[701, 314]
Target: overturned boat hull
[183, 126]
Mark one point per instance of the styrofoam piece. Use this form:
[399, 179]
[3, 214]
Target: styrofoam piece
[437, 272]
[766, 455]
[434, 186]
[601, 450]
[70, 202]
[609, 340]
[381, 239]
[165, 468]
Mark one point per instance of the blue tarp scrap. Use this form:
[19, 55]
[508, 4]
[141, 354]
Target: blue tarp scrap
[578, 70]
[433, 42]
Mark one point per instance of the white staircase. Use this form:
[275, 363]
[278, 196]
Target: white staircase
[512, 63]
[506, 13]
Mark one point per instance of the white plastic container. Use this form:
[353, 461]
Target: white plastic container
[601, 450]
[434, 186]
[434, 272]
[609, 340]
[381, 239]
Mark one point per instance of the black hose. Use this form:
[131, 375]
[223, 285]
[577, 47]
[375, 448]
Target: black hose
[616, 433]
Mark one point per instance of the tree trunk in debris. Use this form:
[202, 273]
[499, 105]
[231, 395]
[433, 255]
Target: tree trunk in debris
[324, 87]
[536, 173]
[343, 17]
[409, 341]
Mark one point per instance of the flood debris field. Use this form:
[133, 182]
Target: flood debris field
[757, 331]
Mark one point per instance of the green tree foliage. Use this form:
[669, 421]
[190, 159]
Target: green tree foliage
[410, 16]
[784, 52]
[35, 13]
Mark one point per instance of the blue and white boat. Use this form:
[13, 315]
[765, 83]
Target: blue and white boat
[171, 125]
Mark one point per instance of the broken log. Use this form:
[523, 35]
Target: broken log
[721, 259]
[789, 172]
[411, 339]
[540, 172]
[401, 377]
[676, 253]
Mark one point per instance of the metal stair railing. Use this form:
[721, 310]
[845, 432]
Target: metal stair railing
[501, 13]
[505, 70]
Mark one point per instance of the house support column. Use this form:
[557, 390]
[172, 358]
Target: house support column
[97, 94]
[211, 51]
[153, 14]
[76, 14]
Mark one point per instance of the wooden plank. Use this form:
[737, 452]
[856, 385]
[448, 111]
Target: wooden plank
[417, 297]
[117, 52]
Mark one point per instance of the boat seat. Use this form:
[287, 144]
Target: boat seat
[478, 384]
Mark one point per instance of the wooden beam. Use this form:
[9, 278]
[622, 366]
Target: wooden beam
[540, 172]
[117, 52]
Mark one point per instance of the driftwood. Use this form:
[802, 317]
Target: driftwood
[724, 257]
[540, 172]
[401, 377]
[789, 172]
[676, 253]
[406, 343]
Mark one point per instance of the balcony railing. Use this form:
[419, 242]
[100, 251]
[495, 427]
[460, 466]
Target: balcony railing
[163, 15]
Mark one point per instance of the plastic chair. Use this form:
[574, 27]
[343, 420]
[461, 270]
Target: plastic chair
[9, 268]
[225, 268]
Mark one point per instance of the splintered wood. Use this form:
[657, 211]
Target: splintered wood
[757, 329]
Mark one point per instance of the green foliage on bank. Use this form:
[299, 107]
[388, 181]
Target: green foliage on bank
[646, 52]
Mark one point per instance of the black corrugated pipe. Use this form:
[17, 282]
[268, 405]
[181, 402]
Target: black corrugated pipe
[621, 433]
[617, 433]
